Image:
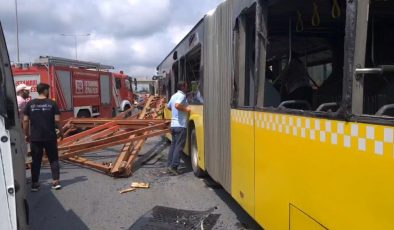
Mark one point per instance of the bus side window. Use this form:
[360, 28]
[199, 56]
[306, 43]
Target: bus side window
[378, 90]
[193, 75]
[244, 79]
[304, 69]
[174, 77]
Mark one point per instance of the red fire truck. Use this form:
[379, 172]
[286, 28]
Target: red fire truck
[81, 89]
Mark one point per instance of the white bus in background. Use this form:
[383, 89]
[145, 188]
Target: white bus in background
[13, 204]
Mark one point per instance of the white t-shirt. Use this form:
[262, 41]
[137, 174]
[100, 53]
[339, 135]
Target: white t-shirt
[21, 105]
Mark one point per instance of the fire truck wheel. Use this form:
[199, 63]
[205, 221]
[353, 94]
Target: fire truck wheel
[198, 172]
[126, 107]
[83, 114]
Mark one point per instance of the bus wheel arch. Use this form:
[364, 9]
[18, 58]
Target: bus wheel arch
[193, 150]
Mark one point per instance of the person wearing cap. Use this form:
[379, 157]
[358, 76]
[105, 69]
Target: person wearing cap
[22, 92]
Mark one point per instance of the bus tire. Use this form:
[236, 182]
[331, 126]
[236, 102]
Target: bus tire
[198, 172]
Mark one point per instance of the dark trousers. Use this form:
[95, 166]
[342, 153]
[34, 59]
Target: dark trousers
[177, 145]
[37, 151]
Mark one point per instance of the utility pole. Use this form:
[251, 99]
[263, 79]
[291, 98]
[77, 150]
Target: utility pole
[75, 41]
[17, 31]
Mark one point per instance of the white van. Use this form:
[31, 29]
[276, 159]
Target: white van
[13, 204]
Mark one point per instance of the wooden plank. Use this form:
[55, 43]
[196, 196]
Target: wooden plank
[139, 185]
[114, 143]
[127, 190]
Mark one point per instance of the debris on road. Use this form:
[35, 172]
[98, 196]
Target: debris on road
[127, 190]
[170, 218]
[127, 129]
[139, 185]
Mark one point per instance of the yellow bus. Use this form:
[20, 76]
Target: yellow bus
[293, 105]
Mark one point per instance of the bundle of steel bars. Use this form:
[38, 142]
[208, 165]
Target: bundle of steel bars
[130, 129]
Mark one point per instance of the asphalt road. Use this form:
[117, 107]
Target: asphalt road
[90, 200]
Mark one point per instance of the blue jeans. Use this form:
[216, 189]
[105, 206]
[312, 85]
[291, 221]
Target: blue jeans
[177, 145]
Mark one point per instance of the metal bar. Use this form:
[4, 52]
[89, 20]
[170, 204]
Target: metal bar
[105, 133]
[133, 157]
[359, 51]
[114, 143]
[368, 70]
[89, 163]
[125, 153]
[67, 133]
[85, 133]
[99, 135]
[118, 122]
[124, 113]
[127, 171]
[113, 138]
[290, 41]
[134, 116]
[260, 58]
[111, 132]
[123, 127]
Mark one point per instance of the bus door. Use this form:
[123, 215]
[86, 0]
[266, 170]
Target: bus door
[242, 114]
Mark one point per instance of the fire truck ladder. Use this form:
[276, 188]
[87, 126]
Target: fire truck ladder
[57, 61]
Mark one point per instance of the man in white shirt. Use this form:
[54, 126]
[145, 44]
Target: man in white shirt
[22, 92]
[180, 110]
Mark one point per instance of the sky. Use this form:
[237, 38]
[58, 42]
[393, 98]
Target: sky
[132, 35]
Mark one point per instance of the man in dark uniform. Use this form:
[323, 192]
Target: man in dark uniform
[41, 116]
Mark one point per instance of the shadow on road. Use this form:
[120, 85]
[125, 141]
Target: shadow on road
[46, 211]
[245, 220]
[154, 154]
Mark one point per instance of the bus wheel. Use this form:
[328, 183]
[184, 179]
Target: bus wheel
[198, 172]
